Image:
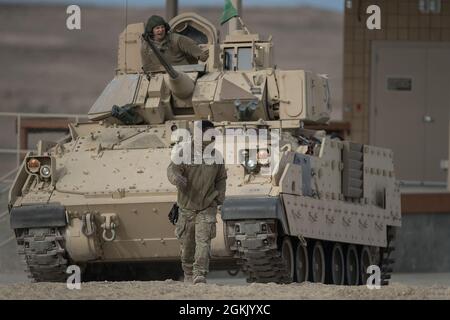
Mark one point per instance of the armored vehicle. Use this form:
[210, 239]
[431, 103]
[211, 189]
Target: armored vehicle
[300, 205]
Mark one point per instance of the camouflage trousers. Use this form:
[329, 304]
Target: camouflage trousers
[195, 229]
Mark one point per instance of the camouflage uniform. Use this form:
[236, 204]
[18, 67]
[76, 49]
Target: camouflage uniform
[196, 226]
[195, 230]
[176, 48]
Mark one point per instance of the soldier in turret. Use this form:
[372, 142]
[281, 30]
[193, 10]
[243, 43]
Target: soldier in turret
[201, 189]
[176, 48]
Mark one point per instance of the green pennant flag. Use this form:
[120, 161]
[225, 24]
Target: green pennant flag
[228, 12]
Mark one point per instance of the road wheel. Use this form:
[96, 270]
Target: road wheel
[301, 263]
[287, 255]
[234, 272]
[352, 266]
[318, 263]
[365, 262]
[337, 265]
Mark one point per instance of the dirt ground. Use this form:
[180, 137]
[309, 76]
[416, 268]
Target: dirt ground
[170, 290]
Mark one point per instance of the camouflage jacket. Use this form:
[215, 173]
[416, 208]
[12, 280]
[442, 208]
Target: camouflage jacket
[206, 184]
[176, 48]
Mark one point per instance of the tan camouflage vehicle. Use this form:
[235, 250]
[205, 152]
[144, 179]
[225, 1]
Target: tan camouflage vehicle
[305, 207]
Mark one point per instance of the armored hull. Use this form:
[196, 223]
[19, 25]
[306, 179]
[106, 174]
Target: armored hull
[300, 205]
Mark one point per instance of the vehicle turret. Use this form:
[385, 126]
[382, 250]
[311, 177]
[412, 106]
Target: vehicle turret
[181, 85]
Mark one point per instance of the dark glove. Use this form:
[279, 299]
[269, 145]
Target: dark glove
[173, 214]
[204, 55]
[181, 181]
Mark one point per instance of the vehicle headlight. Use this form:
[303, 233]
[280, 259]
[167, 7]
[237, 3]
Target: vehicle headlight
[45, 171]
[251, 164]
[33, 165]
[249, 160]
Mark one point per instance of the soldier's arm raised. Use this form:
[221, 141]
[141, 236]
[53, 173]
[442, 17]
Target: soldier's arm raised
[190, 47]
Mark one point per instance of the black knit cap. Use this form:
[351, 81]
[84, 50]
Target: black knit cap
[155, 21]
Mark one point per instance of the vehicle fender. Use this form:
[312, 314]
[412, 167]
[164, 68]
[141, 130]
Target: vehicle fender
[235, 208]
[37, 216]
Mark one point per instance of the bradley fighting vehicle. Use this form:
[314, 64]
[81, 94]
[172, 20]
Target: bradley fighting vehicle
[324, 211]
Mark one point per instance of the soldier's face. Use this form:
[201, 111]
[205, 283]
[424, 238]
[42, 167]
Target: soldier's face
[159, 32]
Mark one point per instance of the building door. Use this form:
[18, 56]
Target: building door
[436, 117]
[410, 106]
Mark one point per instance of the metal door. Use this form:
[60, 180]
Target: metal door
[410, 105]
[436, 118]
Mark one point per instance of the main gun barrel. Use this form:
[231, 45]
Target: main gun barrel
[169, 69]
[181, 85]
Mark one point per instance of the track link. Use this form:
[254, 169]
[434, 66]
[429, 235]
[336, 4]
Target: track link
[386, 260]
[264, 266]
[257, 252]
[260, 258]
[43, 252]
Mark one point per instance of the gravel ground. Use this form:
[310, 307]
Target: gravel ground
[223, 287]
[178, 290]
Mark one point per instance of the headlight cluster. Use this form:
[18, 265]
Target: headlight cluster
[33, 165]
[253, 160]
[45, 171]
[39, 165]
[264, 157]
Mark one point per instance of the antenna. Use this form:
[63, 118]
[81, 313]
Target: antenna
[126, 34]
[243, 25]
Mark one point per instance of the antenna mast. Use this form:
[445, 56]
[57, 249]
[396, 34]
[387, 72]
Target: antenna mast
[171, 9]
[235, 23]
[126, 33]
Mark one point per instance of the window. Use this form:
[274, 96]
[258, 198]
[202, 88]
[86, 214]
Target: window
[228, 63]
[348, 4]
[245, 61]
[434, 6]
[194, 34]
[430, 6]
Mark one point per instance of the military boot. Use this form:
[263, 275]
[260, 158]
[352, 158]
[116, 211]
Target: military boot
[199, 279]
[188, 277]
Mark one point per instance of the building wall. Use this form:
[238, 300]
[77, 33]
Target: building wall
[401, 20]
[423, 243]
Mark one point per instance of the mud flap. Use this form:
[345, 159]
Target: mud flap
[38, 216]
[255, 208]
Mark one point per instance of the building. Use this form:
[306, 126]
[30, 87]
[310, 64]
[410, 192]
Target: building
[397, 82]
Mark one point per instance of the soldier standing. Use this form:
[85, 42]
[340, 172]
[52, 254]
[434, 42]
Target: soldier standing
[176, 48]
[201, 189]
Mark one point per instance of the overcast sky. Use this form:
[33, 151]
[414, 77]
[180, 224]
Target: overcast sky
[328, 4]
